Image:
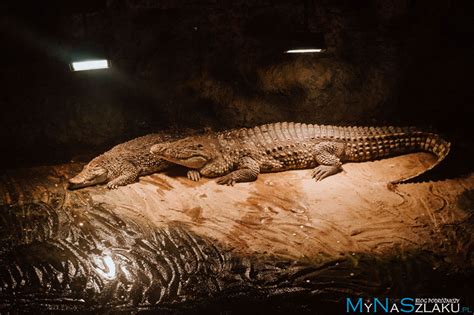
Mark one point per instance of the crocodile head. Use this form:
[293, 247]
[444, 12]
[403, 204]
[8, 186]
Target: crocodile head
[193, 152]
[91, 174]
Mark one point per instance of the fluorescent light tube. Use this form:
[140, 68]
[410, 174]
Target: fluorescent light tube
[303, 51]
[90, 65]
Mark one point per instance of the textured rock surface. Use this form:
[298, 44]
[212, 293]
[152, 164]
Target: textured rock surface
[283, 243]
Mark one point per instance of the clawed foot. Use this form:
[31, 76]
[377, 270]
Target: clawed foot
[228, 180]
[322, 171]
[194, 175]
[112, 185]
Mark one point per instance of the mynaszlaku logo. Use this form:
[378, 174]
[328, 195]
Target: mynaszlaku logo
[406, 305]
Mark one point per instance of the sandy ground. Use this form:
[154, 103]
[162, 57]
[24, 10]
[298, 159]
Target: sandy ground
[290, 215]
[285, 214]
[348, 235]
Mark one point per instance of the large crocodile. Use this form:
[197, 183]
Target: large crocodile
[240, 155]
[124, 163]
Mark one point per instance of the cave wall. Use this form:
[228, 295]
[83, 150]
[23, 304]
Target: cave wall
[220, 64]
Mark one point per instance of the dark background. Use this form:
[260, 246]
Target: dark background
[219, 64]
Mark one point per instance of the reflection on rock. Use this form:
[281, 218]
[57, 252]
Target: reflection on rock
[76, 251]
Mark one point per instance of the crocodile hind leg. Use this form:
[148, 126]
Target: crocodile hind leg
[248, 170]
[327, 156]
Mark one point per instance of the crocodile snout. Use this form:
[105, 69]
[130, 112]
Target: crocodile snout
[88, 177]
[73, 183]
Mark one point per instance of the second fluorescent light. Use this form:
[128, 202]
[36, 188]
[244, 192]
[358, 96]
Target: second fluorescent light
[90, 65]
[303, 51]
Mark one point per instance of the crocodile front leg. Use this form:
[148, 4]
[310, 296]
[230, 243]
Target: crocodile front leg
[194, 175]
[129, 174]
[247, 171]
[327, 155]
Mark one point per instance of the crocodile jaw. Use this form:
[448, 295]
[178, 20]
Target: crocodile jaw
[194, 161]
[186, 157]
[88, 178]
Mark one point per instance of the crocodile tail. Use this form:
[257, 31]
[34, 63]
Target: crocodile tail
[434, 144]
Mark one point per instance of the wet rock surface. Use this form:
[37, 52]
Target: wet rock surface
[281, 244]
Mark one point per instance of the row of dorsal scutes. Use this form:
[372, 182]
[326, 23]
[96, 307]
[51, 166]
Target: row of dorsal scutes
[375, 142]
[268, 134]
[290, 131]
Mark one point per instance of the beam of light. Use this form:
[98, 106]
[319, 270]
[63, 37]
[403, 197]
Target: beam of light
[105, 266]
[90, 65]
[303, 51]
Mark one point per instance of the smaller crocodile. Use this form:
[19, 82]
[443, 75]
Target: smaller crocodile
[124, 163]
[240, 155]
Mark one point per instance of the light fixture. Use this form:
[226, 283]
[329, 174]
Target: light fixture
[90, 65]
[304, 51]
[305, 41]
